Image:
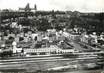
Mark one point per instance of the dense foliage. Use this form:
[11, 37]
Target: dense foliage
[88, 21]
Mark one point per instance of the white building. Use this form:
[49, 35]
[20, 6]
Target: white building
[15, 49]
[49, 50]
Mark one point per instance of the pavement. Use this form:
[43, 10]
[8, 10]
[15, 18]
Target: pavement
[77, 46]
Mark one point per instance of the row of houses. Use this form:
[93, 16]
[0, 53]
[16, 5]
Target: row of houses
[53, 49]
[92, 38]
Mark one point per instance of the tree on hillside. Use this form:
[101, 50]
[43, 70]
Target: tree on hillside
[43, 25]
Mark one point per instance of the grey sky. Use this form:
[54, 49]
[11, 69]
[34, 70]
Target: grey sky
[78, 5]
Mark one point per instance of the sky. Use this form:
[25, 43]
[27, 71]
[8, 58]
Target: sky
[63, 5]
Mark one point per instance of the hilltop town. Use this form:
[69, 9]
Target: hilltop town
[26, 32]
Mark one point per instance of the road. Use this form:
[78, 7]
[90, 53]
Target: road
[77, 46]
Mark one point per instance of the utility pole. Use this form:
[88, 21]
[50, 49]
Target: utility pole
[0, 21]
[0, 17]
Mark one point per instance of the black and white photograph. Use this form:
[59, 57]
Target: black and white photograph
[51, 36]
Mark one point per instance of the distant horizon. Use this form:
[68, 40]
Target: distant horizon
[57, 10]
[83, 6]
